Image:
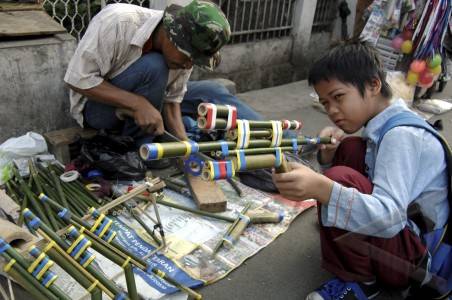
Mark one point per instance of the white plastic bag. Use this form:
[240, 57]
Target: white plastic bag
[24, 146]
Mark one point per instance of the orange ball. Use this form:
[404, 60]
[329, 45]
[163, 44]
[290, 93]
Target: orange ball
[418, 65]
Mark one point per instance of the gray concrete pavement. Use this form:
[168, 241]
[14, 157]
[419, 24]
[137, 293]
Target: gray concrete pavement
[289, 268]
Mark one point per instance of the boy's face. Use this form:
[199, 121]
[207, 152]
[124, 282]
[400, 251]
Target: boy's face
[345, 106]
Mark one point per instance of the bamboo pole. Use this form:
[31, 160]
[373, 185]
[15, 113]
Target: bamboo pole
[179, 149]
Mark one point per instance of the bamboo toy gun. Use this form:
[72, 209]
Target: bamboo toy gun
[249, 145]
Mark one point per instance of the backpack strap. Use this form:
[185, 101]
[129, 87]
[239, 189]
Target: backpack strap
[408, 118]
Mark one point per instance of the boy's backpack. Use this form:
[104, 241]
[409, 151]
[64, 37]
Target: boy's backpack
[438, 242]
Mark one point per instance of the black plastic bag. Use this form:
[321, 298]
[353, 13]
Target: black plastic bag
[115, 156]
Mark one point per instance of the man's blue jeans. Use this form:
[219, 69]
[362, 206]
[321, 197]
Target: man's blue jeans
[148, 77]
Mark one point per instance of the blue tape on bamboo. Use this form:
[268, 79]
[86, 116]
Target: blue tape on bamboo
[193, 165]
[43, 198]
[191, 148]
[4, 246]
[224, 149]
[295, 145]
[154, 151]
[35, 223]
[65, 214]
[106, 223]
[87, 258]
[49, 279]
[241, 160]
[278, 157]
[120, 296]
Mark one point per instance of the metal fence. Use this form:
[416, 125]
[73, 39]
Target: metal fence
[325, 14]
[251, 20]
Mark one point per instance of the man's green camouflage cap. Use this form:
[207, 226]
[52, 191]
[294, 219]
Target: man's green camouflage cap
[198, 30]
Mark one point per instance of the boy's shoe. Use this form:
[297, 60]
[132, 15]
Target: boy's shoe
[336, 289]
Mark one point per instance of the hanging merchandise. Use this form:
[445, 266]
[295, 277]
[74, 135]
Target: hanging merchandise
[427, 43]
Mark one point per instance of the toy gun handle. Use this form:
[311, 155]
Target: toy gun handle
[284, 167]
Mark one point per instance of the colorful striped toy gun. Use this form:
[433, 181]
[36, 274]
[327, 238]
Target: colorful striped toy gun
[248, 145]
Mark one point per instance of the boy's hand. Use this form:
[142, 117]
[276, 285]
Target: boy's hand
[302, 183]
[327, 151]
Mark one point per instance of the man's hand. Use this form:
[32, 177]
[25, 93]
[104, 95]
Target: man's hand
[147, 117]
[302, 183]
[327, 151]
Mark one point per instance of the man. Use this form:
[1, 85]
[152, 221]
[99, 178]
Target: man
[140, 59]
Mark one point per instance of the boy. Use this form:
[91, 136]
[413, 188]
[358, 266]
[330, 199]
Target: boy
[368, 237]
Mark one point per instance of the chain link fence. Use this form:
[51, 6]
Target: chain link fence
[251, 20]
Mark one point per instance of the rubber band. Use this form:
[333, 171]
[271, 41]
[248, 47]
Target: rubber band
[224, 149]
[232, 117]
[241, 160]
[92, 286]
[69, 176]
[93, 187]
[9, 265]
[243, 134]
[277, 133]
[49, 279]
[126, 262]
[278, 156]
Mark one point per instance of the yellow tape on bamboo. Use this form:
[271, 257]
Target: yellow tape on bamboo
[44, 269]
[91, 287]
[126, 262]
[9, 265]
[35, 263]
[49, 246]
[97, 223]
[75, 243]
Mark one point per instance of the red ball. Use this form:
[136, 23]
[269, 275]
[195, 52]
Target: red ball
[407, 35]
[426, 78]
[418, 65]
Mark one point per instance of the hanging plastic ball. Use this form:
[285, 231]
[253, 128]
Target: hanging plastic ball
[407, 35]
[436, 70]
[407, 47]
[435, 61]
[397, 42]
[426, 78]
[412, 77]
[418, 66]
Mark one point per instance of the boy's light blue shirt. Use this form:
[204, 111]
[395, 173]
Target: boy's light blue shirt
[410, 166]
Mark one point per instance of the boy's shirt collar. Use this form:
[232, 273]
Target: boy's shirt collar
[372, 129]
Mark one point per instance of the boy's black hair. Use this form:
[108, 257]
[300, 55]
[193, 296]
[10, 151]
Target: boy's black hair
[351, 62]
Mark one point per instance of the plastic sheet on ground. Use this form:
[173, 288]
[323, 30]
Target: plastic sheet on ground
[191, 239]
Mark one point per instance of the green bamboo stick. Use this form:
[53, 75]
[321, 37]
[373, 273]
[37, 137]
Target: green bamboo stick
[75, 273]
[14, 273]
[130, 281]
[44, 230]
[59, 188]
[145, 227]
[38, 184]
[222, 111]
[29, 278]
[29, 194]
